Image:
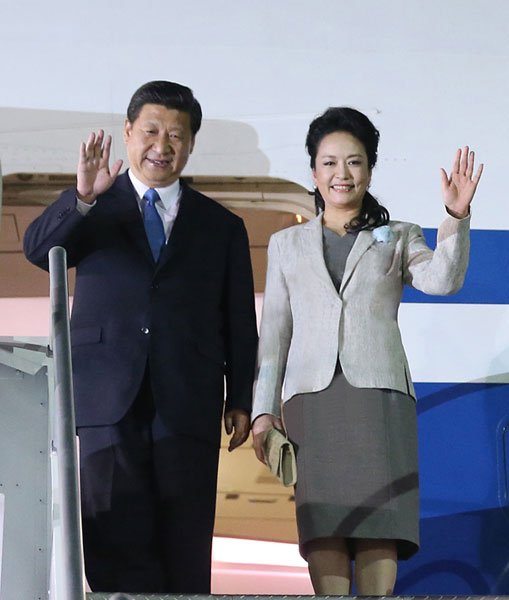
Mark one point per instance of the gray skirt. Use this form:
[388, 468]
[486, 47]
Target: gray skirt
[357, 471]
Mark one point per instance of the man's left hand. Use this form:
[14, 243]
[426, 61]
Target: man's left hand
[237, 422]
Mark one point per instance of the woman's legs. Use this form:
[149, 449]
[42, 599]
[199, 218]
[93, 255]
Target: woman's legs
[329, 566]
[331, 572]
[375, 567]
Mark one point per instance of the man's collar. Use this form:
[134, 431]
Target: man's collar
[169, 194]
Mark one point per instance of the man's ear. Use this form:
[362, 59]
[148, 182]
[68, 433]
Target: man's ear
[127, 130]
[192, 144]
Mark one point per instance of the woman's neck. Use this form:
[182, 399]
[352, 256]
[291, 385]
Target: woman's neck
[336, 219]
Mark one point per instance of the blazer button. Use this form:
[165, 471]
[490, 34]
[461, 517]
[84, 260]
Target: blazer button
[145, 330]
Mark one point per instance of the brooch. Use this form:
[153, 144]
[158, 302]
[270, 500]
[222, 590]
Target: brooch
[383, 234]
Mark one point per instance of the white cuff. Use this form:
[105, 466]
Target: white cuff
[83, 208]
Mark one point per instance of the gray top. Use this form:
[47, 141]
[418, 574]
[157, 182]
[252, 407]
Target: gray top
[336, 249]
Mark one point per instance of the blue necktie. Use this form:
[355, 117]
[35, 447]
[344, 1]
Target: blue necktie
[153, 223]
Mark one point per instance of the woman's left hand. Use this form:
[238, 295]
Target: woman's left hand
[458, 190]
[261, 427]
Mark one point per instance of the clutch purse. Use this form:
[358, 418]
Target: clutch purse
[280, 457]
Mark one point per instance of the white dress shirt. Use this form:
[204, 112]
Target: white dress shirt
[167, 206]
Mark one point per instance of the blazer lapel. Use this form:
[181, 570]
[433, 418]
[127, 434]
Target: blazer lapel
[364, 241]
[314, 250]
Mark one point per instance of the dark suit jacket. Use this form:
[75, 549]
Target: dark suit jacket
[191, 315]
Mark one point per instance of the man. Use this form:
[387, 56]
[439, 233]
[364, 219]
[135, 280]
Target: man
[163, 312]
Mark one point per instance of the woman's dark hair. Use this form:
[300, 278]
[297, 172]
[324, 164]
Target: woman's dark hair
[342, 118]
[169, 95]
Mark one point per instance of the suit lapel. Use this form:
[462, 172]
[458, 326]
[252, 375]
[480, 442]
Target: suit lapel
[121, 201]
[364, 241]
[184, 228]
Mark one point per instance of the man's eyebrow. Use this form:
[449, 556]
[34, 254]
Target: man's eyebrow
[334, 156]
[151, 123]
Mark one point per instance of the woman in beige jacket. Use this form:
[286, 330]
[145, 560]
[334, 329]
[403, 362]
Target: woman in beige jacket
[330, 348]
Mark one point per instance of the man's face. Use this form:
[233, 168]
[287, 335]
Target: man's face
[159, 143]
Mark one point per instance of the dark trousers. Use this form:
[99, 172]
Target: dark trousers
[148, 504]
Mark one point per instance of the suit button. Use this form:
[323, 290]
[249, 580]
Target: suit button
[145, 330]
[154, 286]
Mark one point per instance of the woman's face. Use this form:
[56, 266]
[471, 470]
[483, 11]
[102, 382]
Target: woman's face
[341, 171]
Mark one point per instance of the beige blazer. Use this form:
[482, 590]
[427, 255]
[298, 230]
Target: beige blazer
[306, 324]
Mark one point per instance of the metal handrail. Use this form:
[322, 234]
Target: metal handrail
[71, 567]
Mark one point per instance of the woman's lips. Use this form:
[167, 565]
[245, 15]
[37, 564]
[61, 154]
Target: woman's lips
[342, 188]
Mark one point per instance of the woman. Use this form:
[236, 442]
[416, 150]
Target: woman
[329, 330]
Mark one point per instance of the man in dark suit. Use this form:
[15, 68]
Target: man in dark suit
[163, 314]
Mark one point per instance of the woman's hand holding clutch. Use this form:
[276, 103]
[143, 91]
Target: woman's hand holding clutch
[261, 426]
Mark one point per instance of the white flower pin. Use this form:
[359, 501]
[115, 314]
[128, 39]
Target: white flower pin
[383, 234]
